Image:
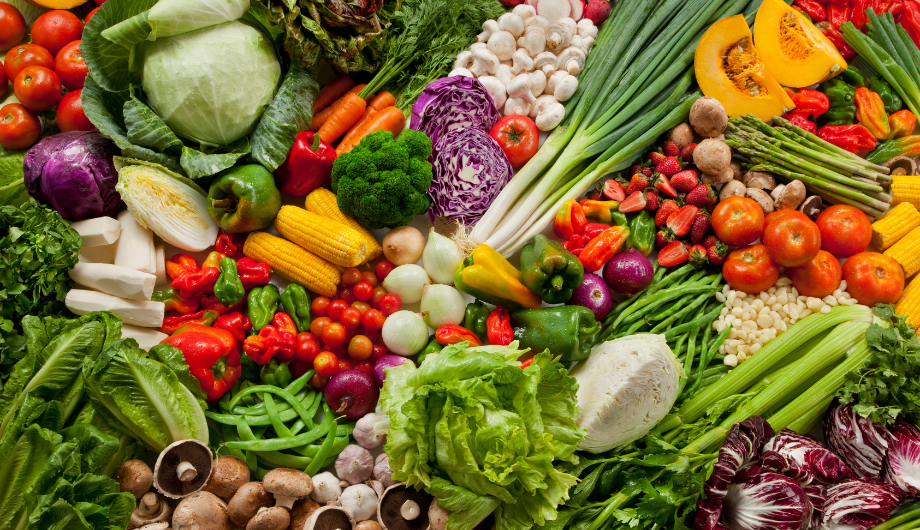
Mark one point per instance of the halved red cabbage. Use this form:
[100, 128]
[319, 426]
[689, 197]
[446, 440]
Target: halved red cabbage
[453, 103]
[804, 459]
[901, 466]
[470, 170]
[857, 440]
[859, 504]
[767, 501]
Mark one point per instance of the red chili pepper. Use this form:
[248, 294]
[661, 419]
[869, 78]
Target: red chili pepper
[570, 220]
[813, 9]
[835, 37]
[253, 273]
[593, 230]
[603, 247]
[211, 302]
[902, 123]
[801, 121]
[197, 283]
[809, 103]
[284, 322]
[576, 243]
[180, 265]
[858, 13]
[910, 20]
[204, 317]
[308, 165]
[451, 334]
[498, 327]
[853, 138]
[212, 357]
[230, 245]
[270, 342]
[175, 301]
[213, 260]
[527, 363]
[870, 111]
[599, 211]
[837, 14]
[236, 323]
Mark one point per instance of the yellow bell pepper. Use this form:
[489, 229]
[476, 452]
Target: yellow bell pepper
[489, 277]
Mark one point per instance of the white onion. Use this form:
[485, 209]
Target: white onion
[407, 282]
[441, 258]
[405, 333]
[442, 304]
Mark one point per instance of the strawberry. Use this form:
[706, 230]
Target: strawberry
[668, 167]
[662, 238]
[680, 221]
[698, 255]
[674, 253]
[655, 157]
[663, 185]
[716, 253]
[665, 209]
[700, 227]
[638, 182]
[633, 203]
[686, 154]
[595, 195]
[613, 191]
[702, 196]
[670, 148]
[651, 200]
[636, 168]
[710, 240]
[686, 180]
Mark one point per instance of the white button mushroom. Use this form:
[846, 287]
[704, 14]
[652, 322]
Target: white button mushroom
[553, 81]
[536, 21]
[566, 87]
[495, 88]
[583, 44]
[550, 116]
[524, 11]
[464, 59]
[477, 45]
[484, 62]
[558, 36]
[533, 40]
[537, 82]
[571, 60]
[542, 102]
[545, 61]
[502, 44]
[519, 87]
[511, 23]
[488, 28]
[503, 73]
[462, 72]
[586, 28]
[521, 61]
[517, 106]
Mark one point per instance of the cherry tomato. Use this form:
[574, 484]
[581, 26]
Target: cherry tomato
[319, 382]
[326, 364]
[38, 88]
[390, 304]
[518, 137]
[737, 221]
[339, 350]
[306, 347]
[320, 305]
[345, 364]
[371, 334]
[873, 278]
[792, 240]
[26, 55]
[351, 276]
[378, 351]
[370, 278]
[319, 325]
[90, 15]
[70, 115]
[845, 230]
[373, 320]
[298, 368]
[20, 128]
[819, 277]
[365, 366]
[360, 348]
[70, 66]
[351, 318]
[379, 293]
[334, 311]
[334, 334]
[346, 295]
[12, 26]
[363, 291]
[750, 269]
[361, 306]
[383, 269]
[56, 28]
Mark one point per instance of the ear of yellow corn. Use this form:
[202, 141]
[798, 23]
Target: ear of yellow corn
[327, 238]
[909, 304]
[323, 202]
[894, 225]
[905, 188]
[293, 262]
[907, 252]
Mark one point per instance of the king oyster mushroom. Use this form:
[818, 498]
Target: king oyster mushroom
[183, 468]
[287, 485]
[404, 508]
[329, 518]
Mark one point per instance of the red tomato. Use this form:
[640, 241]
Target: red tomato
[70, 66]
[320, 305]
[792, 240]
[360, 348]
[363, 291]
[378, 294]
[369, 277]
[335, 309]
[56, 28]
[26, 55]
[318, 382]
[334, 334]
[346, 295]
[383, 269]
[351, 276]
[306, 347]
[373, 319]
[326, 364]
[390, 304]
[378, 351]
[351, 318]
[37, 88]
[518, 137]
[737, 221]
[845, 230]
[319, 325]
[361, 306]
[781, 214]
[873, 278]
[4, 82]
[70, 115]
[12, 26]
[819, 277]
[89, 16]
[365, 366]
[19, 127]
[750, 269]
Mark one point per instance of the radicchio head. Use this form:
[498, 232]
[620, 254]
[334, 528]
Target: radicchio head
[857, 440]
[901, 466]
[804, 459]
[767, 501]
[859, 504]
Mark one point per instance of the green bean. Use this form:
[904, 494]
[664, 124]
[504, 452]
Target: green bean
[663, 297]
[326, 449]
[705, 319]
[660, 280]
[278, 459]
[693, 306]
[280, 428]
[289, 442]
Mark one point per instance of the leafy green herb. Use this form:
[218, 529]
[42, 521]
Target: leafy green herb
[12, 185]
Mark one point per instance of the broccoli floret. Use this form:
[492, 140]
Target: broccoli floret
[382, 182]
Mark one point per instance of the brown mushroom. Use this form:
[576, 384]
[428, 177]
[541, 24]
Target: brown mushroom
[737, 170]
[761, 198]
[901, 165]
[275, 518]
[155, 526]
[403, 508]
[734, 188]
[368, 525]
[302, 511]
[811, 207]
[329, 518]
[152, 508]
[681, 135]
[183, 468]
[708, 117]
[712, 156]
[135, 477]
[726, 176]
[759, 179]
[246, 502]
[437, 516]
[201, 511]
[229, 474]
[287, 485]
[789, 196]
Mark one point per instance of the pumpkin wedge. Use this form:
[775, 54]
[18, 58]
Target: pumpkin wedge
[729, 69]
[792, 48]
[57, 4]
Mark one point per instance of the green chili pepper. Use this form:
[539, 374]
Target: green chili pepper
[550, 270]
[296, 303]
[854, 76]
[276, 373]
[568, 331]
[890, 98]
[263, 302]
[642, 233]
[840, 95]
[474, 319]
[433, 347]
[229, 289]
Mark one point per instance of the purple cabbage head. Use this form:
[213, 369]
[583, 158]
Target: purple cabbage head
[804, 459]
[73, 173]
[902, 461]
[453, 103]
[859, 504]
[767, 501]
[470, 170]
[857, 440]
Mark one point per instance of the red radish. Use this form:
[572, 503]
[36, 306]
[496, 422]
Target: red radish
[352, 393]
[531, 3]
[553, 10]
[578, 9]
[597, 11]
[511, 3]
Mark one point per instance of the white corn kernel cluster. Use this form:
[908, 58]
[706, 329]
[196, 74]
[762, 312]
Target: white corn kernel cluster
[756, 319]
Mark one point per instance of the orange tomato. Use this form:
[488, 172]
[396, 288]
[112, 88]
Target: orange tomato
[737, 221]
[819, 277]
[792, 240]
[750, 269]
[845, 230]
[873, 278]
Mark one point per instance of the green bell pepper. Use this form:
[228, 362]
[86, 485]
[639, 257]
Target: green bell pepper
[296, 303]
[840, 95]
[568, 331]
[474, 319]
[263, 302]
[890, 98]
[244, 199]
[854, 76]
[642, 233]
[229, 288]
[550, 270]
[433, 347]
[276, 373]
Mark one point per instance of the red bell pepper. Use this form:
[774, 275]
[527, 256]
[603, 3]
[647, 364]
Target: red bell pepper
[212, 357]
[576, 243]
[237, 324]
[230, 245]
[801, 121]
[570, 220]
[858, 13]
[910, 19]
[211, 302]
[853, 138]
[180, 265]
[175, 301]
[498, 327]
[837, 14]
[270, 342]
[835, 37]
[813, 9]
[600, 211]
[809, 103]
[197, 283]
[452, 334]
[172, 325]
[593, 230]
[603, 247]
[252, 273]
[308, 165]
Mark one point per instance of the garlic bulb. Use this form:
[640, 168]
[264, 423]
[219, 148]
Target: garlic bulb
[441, 258]
[442, 304]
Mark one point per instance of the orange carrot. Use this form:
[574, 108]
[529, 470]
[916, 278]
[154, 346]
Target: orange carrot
[356, 128]
[389, 119]
[332, 91]
[345, 113]
[320, 118]
[382, 101]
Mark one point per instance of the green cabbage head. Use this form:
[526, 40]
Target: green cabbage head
[211, 85]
